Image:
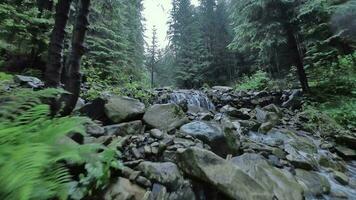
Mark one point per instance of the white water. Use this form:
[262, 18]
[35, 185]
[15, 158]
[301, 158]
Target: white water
[193, 98]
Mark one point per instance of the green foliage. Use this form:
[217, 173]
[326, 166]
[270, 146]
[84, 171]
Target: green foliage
[342, 109]
[115, 40]
[5, 77]
[24, 29]
[34, 148]
[317, 122]
[335, 78]
[257, 81]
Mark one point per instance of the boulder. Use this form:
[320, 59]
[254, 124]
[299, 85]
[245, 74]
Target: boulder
[95, 110]
[282, 185]
[123, 129]
[223, 88]
[123, 109]
[221, 174]
[210, 133]
[234, 112]
[165, 116]
[313, 184]
[29, 81]
[123, 189]
[165, 173]
[345, 152]
[94, 130]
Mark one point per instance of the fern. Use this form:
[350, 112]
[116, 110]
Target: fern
[33, 147]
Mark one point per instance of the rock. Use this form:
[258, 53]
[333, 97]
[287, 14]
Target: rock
[312, 183]
[275, 180]
[123, 129]
[234, 112]
[159, 192]
[166, 173]
[123, 109]
[341, 177]
[222, 88]
[209, 132]
[29, 81]
[95, 130]
[80, 104]
[221, 174]
[294, 100]
[156, 133]
[95, 110]
[345, 152]
[268, 120]
[347, 140]
[123, 189]
[165, 117]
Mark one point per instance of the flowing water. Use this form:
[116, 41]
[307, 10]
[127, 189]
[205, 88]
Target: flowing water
[193, 98]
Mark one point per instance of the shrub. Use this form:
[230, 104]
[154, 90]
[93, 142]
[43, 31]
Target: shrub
[257, 81]
[34, 148]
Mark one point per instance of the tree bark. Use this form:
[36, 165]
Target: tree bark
[54, 63]
[298, 59]
[73, 75]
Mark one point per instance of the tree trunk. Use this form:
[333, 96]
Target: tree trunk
[72, 73]
[298, 52]
[54, 63]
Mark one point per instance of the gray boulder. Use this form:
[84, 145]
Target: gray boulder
[165, 117]
[212, 134]
[123, 189]
[123, 129]
[221, 174]
[282, 184]
[122, 109]
[166, 173]
[313, 184]
[28, 81]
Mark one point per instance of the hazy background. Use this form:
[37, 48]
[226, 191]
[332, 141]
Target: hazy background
[156, 13]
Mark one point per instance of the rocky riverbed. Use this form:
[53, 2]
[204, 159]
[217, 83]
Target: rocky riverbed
[239, 145]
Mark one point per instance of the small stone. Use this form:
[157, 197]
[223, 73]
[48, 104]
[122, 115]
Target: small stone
[341, 177]
[155, 150]
[134, 175]
[142, 181]
[345, 152]
[156, 133]
[147, 149]
[136, 153]
[155, 144]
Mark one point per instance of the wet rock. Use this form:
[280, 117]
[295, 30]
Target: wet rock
[123, 109]
[275, 180]
[347, 140]
[223, 175]
[341, 177]
[123, 189]
[345, 152]
[166, 173]
[312, 183]
[123, 129]
[165, 117]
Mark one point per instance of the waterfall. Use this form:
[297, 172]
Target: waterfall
[193, 98]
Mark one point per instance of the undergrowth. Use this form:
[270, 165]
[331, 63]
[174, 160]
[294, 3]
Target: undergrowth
[34, 150]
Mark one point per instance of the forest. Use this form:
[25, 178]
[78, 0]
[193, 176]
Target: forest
[249, 99]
